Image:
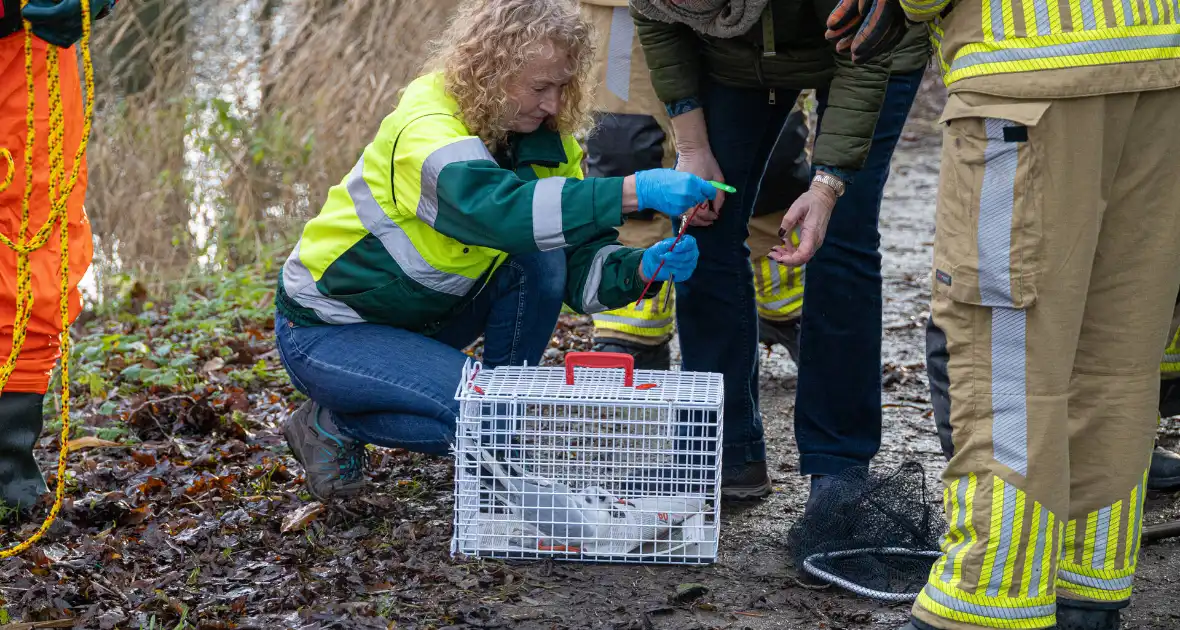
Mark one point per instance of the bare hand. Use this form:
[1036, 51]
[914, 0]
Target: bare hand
[700, 162]
[811, 213]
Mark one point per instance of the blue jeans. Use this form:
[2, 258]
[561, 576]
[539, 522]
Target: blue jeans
[396, 388]
[838, 406]
[838, 401]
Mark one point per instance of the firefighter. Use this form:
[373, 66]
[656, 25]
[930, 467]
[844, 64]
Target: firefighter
[54, 24]
[632, 133]
[1055, 269]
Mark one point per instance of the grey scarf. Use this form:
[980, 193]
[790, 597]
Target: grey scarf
[718, 18]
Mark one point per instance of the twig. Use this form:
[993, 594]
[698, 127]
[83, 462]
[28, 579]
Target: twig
[903, 405]
[1160, 532]
[97, 581]
[747, 614]
[811, 587]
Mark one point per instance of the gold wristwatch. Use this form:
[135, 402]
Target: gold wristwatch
[831, 181]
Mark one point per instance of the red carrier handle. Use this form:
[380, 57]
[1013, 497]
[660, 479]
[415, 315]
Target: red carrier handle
[600, 360]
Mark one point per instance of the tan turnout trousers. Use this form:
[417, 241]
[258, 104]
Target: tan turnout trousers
[1055, 274]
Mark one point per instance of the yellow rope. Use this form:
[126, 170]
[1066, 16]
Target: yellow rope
[58, 197]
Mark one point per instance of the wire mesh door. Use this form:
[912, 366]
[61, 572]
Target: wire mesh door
[594, 463]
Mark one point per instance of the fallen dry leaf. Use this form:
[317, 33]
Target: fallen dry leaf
[302, 517]
[89, 441]
[212, 365]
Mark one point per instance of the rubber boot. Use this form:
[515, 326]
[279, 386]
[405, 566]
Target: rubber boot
[21, 482]
[1076, 615]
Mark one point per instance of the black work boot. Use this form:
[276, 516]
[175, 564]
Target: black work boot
[785, 334]
[21, 482]
[1164, 473]
[1078, 615]
[646, 357]
[745, 481]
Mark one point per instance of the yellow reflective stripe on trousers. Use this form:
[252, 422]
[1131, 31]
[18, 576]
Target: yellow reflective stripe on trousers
[1171, 362]
[1011, 564]
[1099, 573]
[961, 536]
[396, 242]
[778, 289]
[647, 320]
[989, 612]
[1075, 49]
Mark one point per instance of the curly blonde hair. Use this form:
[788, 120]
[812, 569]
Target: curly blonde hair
[488, 43]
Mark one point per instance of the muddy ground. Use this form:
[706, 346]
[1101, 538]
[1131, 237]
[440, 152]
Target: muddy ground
[191, 518]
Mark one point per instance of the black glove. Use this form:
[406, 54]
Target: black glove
[60, 22]
[867, 28]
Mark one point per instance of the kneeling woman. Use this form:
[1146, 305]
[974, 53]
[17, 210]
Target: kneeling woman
[466, 215]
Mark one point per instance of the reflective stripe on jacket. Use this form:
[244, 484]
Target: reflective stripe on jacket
[413, 249]
[984, 38]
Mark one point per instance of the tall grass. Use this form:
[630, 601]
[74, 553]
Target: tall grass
[221, 124]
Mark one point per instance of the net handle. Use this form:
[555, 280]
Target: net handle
[600, 360]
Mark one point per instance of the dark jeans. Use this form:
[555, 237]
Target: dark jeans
[396, 388]
[838, 403]
[838, 407]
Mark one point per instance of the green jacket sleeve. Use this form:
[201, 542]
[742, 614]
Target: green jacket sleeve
[855, 97]
[913, 52]
[603, 275]
[672, 53]
[466, 195]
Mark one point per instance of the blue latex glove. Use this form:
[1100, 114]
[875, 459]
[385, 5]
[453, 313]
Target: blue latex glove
[671, 192]
[679, 262]
[60, 23]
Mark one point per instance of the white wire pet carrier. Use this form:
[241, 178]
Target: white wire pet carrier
[594, 462]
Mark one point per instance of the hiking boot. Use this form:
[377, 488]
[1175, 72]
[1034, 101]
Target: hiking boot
[21, 482]
[646, 357]
[785, 334]
[1164, 473]
[1073, 615]
[334, 465]
[745, 482]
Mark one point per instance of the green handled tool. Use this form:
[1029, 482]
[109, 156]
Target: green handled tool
[726, 187]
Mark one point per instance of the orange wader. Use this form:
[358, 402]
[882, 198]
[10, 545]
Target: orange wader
[42, 346]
